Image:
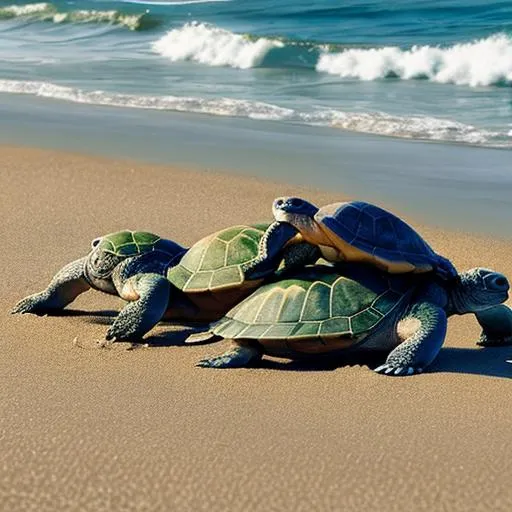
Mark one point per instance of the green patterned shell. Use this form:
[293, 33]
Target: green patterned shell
[216, 262]
[131, 243]
[318, 303]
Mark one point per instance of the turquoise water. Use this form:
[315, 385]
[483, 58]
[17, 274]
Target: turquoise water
[431, 70]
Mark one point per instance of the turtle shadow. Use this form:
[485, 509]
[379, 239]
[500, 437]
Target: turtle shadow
[488, 361]
[106, 313]
[322, 363]
[177, 336]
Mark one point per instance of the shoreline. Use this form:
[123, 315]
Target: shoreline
[91, 429]
[462, 188]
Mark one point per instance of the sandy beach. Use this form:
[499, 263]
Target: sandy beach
[89, 429]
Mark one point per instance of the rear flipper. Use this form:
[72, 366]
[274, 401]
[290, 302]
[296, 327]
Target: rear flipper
[149, 296]
[238, 356]
[63, 289]
[200, 338]
[423, 331]
[496, 325]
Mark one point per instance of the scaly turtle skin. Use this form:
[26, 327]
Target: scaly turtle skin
[353, 308]
[362, 232]
[159, 278]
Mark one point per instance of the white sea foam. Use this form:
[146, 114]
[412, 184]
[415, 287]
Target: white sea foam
[24, 10]
[216, 106]
[213, 46]
[413, 127]
[48, 12]
[478, 63]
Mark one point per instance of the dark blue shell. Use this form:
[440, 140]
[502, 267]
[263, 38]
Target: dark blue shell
[380, 233]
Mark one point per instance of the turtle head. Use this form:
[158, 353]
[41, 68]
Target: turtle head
[100, 264]
[289, 206]
[478, 289]
[96, 242]
[297, 212]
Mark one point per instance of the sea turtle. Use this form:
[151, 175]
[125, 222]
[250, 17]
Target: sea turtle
[161, 278]
[362, 232]
[352, 307]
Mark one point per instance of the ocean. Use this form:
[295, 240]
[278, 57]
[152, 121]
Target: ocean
[428, 70]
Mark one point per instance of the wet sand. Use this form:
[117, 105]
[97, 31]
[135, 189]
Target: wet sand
[84, 428]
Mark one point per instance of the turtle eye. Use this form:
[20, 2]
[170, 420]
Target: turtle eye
[278, 202]
[95, 242]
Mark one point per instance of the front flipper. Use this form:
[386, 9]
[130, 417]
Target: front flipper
[237, 357]
[149, 296]
[271, 245]
[496, 325]
[63, 289]
[423, 331]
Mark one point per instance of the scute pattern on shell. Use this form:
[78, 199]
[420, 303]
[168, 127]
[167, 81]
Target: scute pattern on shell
[315, 304]
[128, 243]
[378, 232]
[216, 261]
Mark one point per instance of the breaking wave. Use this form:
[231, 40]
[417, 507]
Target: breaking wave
[479, 63]
[214, 46]
[49, 13]
[482, 62]
[378, 123]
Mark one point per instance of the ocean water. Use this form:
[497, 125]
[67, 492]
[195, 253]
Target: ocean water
[437, 70]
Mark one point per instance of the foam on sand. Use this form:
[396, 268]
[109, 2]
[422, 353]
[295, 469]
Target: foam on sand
[378, 123]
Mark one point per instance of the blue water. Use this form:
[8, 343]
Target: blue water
[438, 70]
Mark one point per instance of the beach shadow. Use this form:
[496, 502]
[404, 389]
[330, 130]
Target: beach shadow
[107, 313]
[489, 361]
[176, 336]
[326, 363]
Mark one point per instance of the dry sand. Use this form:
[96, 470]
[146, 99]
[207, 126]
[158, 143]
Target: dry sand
[90, 429]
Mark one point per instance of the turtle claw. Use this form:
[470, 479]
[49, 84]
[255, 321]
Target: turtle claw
[33, 304]
[223, 361]
[397, 371]
[486, 340]
[236, 358]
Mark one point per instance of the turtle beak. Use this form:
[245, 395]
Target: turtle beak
[284, 206]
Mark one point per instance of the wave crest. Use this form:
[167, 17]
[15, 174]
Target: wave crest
[482, 62]
[478, 63]
[214, 46]
[49, 12]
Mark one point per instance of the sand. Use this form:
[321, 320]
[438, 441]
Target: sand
[90, 429]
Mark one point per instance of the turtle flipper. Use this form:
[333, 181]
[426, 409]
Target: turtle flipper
[202, 337]
[237, 357]
[272, 244]
[496, 325]
[297, 256]
[63, 289]
[423, 330]
[149, 294]
[445, 268]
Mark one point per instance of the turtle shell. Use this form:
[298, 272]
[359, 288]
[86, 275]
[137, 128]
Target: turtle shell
[131, 243]
[217, 261]
[317, 307]
[381, 237]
